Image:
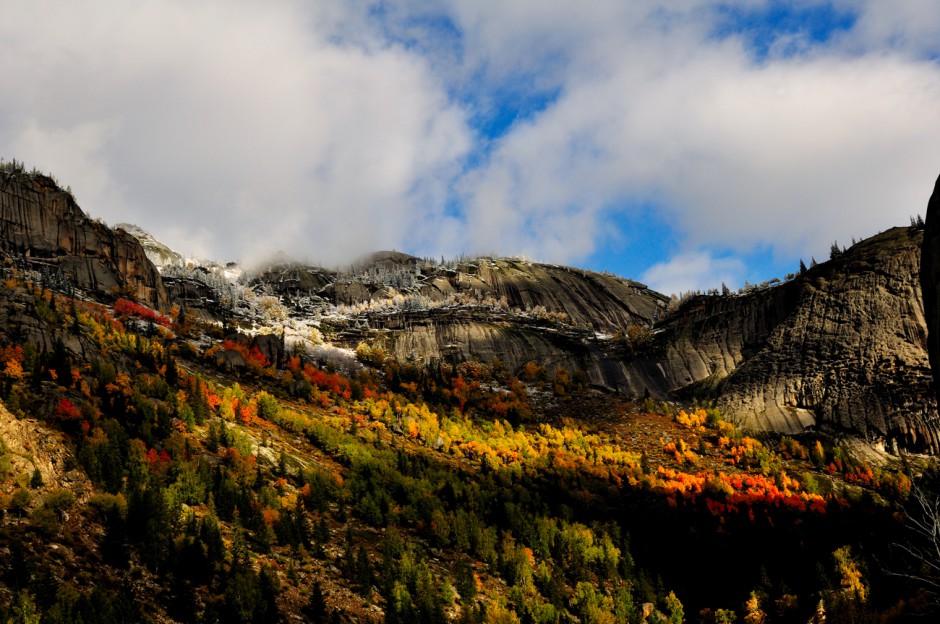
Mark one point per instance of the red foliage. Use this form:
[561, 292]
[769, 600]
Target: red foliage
[159, 462]
[337, 384]
[66, 410]
[123, 307]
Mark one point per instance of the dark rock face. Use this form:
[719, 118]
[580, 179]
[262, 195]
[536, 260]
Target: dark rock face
[271, 347]
[930, 282]
[230, 360]
[841, 348]
[42, 223]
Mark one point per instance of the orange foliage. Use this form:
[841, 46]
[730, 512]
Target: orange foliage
[332, 382]
[270, 516]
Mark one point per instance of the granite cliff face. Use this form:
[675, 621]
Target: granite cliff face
[930, 282]
[41, 224]
[511, 310]
[841, 348]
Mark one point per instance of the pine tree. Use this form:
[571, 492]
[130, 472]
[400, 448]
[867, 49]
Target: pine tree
[834, 251]
[315, 609]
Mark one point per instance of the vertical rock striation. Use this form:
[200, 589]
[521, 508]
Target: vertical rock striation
[42, 224]
[841, 348]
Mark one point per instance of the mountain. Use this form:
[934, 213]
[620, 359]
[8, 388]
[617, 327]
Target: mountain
[408, 440]
[840, 348]
[159, 254]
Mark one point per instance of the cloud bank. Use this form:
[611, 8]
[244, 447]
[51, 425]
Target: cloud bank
[328, 129]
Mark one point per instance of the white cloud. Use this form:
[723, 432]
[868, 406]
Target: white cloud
[691, 271]
[788, 152]
[247, 122]
[327, 129]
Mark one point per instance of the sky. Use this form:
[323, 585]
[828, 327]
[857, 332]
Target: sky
[684, 144]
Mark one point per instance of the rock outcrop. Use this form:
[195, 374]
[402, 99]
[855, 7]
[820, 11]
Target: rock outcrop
[42, 224]
[159, 254]
[930, 282]
[511, 310]
[840, 348]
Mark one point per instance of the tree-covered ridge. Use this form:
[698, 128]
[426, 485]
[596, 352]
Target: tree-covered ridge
[404, 493]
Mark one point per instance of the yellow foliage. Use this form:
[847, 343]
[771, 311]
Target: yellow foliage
[13, 370]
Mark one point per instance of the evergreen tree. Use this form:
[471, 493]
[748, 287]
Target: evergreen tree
[315, 609]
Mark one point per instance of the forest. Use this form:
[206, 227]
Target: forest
[387, 491]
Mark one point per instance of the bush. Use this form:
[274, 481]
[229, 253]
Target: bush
[59, 500]
[20, 501]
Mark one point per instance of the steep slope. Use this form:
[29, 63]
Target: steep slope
[158, 253]
[930, 282]
[42, 225]
[841, 348]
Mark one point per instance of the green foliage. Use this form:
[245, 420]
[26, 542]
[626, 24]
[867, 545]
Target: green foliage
[673, 609]
[36, 480]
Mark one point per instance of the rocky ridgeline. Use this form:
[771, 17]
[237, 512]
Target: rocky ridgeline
[841, 348]
[41, 224]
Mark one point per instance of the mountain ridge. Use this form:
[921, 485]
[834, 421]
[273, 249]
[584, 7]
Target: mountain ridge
[267, 451]
[841, 347]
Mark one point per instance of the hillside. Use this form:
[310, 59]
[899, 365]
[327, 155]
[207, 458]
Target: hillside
[403, 493]
[841, 348]
[201, 447]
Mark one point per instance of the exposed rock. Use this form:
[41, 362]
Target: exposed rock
[20, 324]
[230, 359]
[42, 223]
[600, 301]
[271, 347]
[30, 445]
[188, 292]
[841, 348]
[290, 279]
[930, 282]
[159, 254]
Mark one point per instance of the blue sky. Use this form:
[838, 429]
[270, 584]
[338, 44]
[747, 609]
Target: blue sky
[683, 143]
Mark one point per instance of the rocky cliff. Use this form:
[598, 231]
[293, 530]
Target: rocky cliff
[840, 348]
[930, 282]
[512, 310]
[42, 225]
